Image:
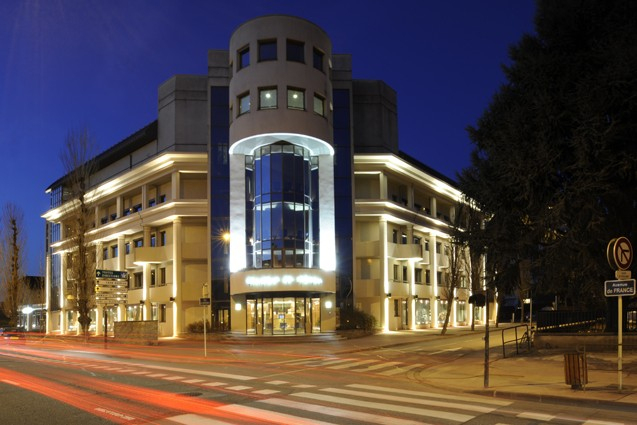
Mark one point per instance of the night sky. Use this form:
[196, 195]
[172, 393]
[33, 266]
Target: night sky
[70, 65]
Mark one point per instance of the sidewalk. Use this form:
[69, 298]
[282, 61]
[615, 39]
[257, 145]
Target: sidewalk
[537, 376]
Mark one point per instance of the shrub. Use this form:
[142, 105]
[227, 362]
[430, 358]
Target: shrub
[356, 319]
[197, 327]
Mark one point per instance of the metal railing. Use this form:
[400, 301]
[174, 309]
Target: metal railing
[522, 340]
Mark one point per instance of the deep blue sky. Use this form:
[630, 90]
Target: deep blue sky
[68, 65]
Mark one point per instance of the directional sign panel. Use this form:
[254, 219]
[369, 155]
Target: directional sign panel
[110, 274]
[619, 288]
[204, 301]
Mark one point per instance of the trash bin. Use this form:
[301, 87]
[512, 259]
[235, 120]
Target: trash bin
[575, 370]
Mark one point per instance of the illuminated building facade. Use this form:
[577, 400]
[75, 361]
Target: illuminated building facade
[276, 181]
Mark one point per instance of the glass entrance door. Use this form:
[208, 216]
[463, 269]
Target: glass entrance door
[283, 316]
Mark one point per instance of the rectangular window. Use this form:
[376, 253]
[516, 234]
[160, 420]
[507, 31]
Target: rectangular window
[417, 240]
[405, 273]
[114, 251]
[296, 99]
[394, 236]
[438, 247]
[162, 313]
[396, 310]
[427, 277]
[396, 277]
[267, 50]
[162, 276]
[152, 203]
[317, 59]
[243, 58]
[105, 254]
[418, 275]
[162, 199]
[319, 105]
[439, 278]
[162, 238]
[153, 240]
[268, 98]
[244, 103]
[127, 248]
[426, 244]
[137, 280]
[295, 51]
[152, 278]
[403, 239]
[138, 243]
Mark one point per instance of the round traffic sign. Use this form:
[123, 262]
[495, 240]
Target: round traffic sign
[620, 253]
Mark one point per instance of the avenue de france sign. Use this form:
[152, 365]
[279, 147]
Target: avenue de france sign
[619, 288]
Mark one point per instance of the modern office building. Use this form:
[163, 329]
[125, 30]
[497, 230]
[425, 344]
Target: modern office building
[274, 185]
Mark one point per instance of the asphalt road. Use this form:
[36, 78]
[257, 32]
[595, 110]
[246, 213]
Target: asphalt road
[53, 382]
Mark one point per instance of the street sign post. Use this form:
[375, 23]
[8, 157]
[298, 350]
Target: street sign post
[619, 254]
[111, 274]
[111, 288]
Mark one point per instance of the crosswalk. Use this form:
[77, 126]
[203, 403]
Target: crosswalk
[379, 367]
[354, 403]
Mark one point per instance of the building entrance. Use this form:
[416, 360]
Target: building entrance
[283, 315]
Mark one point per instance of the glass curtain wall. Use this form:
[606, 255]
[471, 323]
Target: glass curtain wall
[282, 203]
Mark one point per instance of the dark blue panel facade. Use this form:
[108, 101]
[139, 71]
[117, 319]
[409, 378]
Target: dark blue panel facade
[219, 206]
[343, 198]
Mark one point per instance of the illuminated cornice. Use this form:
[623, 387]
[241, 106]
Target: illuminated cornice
[249, 144]
[182, 162]
[371, 163]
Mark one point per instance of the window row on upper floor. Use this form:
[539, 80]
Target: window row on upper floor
[267, 50]
[269, 99]
[111, 250]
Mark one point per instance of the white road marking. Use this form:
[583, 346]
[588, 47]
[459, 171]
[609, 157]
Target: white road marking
[456, 397]
[215, 384]
[266, 392]
[457, 417]
[413, 400]
[192, 419]
[535, 416]
[279, 418]
[277, 382]
[400, 369]
[238, 388]
[192, 381]
[341, 413]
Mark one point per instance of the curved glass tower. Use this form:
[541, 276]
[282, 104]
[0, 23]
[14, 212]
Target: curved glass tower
[282, 243]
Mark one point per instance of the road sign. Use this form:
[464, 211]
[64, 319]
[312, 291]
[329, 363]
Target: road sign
[619, 288]
[623, 274]
[204, 301]
[619, 253]
[110, 274]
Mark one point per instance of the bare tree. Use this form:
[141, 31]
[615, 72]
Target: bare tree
[455, 253]
[80, 219]
[11, 256]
